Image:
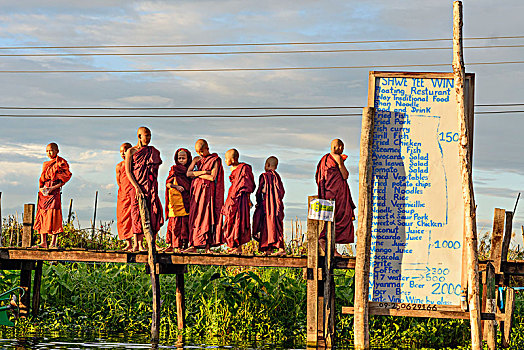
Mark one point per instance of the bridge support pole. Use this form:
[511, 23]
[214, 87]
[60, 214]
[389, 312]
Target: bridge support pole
[314, 308]
[27, 266]
[180, 301]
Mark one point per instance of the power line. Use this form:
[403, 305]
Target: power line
[221, 108]
[210, 115]
[252, 44]
[250, 52]
[182, 70]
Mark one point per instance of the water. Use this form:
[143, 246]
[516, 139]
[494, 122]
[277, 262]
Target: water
[118, 343]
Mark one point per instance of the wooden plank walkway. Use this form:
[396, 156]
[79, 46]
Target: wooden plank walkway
[13, 255]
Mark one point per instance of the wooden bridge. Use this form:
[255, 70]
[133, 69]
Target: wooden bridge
[318, 270]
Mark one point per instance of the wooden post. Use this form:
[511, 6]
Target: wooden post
[28, 222]
[467, 184]
[507, 236]
[508, 317]
[153, 271]
[329, 286]
[70, 211]
[312, 279]
[365, 215]
[497, 236]
[36, 288]
[180, 301]
[94, 217]
[490, 326]
[25, 271]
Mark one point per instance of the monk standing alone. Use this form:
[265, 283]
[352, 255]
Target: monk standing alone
[55, 173]
[268, 219]
[206, 200]
[124, 223]
[142, 163]
[331, 178]
[236, 227]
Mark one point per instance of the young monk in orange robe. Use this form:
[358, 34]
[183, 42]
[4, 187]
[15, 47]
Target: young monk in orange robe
[123, 204]
[55, 173]
[331, 178]
[206, 198]
[236, 227]
[268, 219]
[178, 186]
[142, 163]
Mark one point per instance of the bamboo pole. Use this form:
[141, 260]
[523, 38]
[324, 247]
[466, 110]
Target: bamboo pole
[361, 320]
[70, 211]
[467, 185]
[94, 217]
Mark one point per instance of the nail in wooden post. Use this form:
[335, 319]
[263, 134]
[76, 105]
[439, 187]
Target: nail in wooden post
[180, 301]
[508, 317]
[467, 184]
[329, 286]
[490, 326]
[312, 279]
[365, 207]
[36, 288]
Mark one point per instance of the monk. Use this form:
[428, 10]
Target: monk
[236, 227]
[124, 199]
[178, 186]
[206, 199]
[268, 219]
[55, 174]
[331, 178]
[142, 163]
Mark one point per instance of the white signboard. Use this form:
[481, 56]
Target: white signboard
[418, 210]
[321, 209]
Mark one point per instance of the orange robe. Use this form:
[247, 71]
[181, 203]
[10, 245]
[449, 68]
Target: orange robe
[49, 211]
[124, 223]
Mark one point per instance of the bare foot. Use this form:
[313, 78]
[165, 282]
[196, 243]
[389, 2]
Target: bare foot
[337, 253]
[235, 251]
[280, 252]
[168, 250]
[39, 246]
[190, 250]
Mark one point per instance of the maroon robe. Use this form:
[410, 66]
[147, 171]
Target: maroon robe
[146, 162]
[178, 227]
[49, 210]
[124, 223]
[206, 201]
[331, 185]
[268, 219]
[236, 228]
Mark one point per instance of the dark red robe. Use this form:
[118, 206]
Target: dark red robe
[124, 223]
[268, 219]
[236, 227]
[206, 201]
[331, 185]
[178, 227]
[146, 162]
[48, 218]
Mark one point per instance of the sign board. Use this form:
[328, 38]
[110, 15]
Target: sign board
[321, 209]
[418, 210]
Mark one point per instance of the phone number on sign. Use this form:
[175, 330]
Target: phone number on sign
[402, 306]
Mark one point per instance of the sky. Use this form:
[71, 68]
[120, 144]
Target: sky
[91, 144]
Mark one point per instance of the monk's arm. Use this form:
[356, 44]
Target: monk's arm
[129, 173]
[341, 166]
[117, 174]
[210, 175]
[196, 173]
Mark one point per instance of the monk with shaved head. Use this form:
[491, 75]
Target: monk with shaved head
[331, 178]
[55, 174]
[268, 219]
[236, 226]
[142, 163]
[124, 199]
[206, 198]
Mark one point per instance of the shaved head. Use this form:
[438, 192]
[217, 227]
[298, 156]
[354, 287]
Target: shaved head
[271, 163]
[53, 146]
[337, 146]
[143, 129]
[233, 153]
[202, 148]
[126, 145]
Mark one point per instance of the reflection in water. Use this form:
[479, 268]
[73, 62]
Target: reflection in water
[116, 343]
